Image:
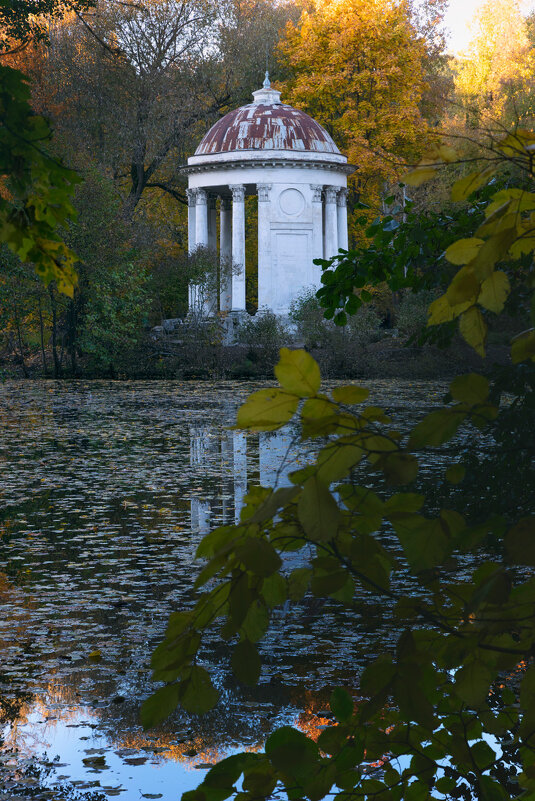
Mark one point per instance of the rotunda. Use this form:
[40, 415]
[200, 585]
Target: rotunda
[281, 154]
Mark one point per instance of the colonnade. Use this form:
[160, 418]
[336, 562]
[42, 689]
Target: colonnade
[329, 211]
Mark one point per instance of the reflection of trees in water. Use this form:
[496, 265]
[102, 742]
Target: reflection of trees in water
[192, 742]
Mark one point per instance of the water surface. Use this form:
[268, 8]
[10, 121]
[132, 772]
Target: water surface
[106, 489]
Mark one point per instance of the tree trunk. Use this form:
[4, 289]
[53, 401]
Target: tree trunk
[21, 347]
[42, 335]
[72, 317]
[57, 365]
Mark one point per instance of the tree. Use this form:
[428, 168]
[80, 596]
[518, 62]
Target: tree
[495, 75]
[357, 67]
[104, 319]
[449, 707]
[24, 21]
[34, 197]
[133, 87]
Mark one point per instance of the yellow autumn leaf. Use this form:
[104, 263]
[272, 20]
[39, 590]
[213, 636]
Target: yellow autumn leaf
[491, 252]
[298, 373]
[523, 347]
[518, 199]
[473, 329]
[465, 186]
[419, 175]
[520, 141]
[494, 292]
[440, 311]
[447, 153]
[525, 242]
[463, 288]
[463, 251]
[267, 410]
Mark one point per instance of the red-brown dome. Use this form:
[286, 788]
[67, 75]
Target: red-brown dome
[266, 126]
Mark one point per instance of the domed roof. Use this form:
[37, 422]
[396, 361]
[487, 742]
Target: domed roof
[266, 124]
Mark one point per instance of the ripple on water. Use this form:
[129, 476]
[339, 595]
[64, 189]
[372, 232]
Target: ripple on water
[106, 490]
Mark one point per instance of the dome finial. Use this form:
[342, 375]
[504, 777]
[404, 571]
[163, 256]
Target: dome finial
[267, 82]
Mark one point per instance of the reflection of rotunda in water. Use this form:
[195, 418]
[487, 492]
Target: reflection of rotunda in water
[244, 459]
[290, 162]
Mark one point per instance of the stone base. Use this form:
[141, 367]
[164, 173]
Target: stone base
[231, 324]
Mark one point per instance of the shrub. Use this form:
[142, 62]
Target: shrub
[316, 332]
[412, 312]
[264, 331]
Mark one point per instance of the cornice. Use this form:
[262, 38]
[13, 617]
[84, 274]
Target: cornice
[238, 164]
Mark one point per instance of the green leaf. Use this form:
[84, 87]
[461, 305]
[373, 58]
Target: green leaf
[292, 753]
[470, 388]
[259, 556]
[413, 703]
[425, 542]
[245, 662]
[318, 512]
[298, 582]
[240, 599]
[267, 410]
[333, 738]
[196, 692]
[436, 428]
[224, 774]
[472, 683]
[483, 755]
[328, 583]
[399, 468]
[256, 622]
[319, 417]
[298, 373]
[455, 473]
[350, 394]
[159, 706]
[275, 501]
[260, 779]
[403, 502]
[336, 460]
[520, 542]
[274, 590]
[341, 704]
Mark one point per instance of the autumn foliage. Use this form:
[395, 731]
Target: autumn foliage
[358, 68]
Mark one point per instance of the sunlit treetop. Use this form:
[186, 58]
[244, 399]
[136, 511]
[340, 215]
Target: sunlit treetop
[357, 67]
[22, 21]
[499, 62]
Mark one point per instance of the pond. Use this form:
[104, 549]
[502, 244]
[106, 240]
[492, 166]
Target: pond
[106, 491]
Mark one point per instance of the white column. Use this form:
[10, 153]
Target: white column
[225, 254]
[212, 223]
[265, 289]
[342, 219]
[317, 224]
[192, 200]
[238, 247]
[331, 222]
[192, 244]
[201, 219]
